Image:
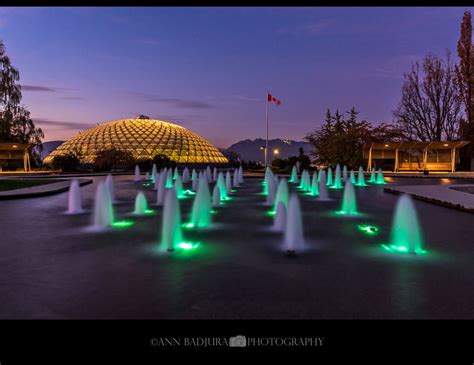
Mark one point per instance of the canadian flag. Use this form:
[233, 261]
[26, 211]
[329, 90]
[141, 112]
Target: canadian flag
[272, 99]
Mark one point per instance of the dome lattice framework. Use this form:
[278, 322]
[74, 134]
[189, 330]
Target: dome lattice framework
[143, 138]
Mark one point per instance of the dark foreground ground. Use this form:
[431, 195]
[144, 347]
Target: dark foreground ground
[51, 267]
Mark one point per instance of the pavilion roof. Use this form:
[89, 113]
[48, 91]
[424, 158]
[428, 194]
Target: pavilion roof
[415, 145]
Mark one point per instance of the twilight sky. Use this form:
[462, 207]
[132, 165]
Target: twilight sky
[208, 68]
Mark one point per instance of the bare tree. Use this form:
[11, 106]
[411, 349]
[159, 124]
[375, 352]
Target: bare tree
[464, 71]
[431, 105]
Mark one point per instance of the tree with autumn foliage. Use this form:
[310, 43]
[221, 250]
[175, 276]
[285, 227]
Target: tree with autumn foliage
[341, 140]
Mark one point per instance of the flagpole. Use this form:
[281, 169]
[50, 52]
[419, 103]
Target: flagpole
[266, 118]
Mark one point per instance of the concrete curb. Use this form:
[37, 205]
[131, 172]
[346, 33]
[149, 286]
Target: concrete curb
[431, 200]
[39, 191]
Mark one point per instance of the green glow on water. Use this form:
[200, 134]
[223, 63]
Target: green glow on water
[213, 211]
[364, 184]
[343, 212]
[147, 184]
[226, 198]
[401, 249]
[270, 212]
[368, 229]
[188, 245]
[336, 187]
[189, 192]
[187, 225]
[149, 211]
[123, 224]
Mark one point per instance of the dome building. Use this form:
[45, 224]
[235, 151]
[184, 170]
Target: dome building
[144, 138]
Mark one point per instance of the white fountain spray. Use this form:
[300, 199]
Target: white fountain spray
[279, 222]
[329, 177]
[194, 183]
[271, 191]
[352, 177]
[380, 178]
[235, 182]
[109, 181]
[208, 173]
[372, 176]
[221, 185]
[154, 173]
[176, 173]
[185, 175]
[201, 212]
[178, 186]
[323, 189]
[141, 205]
[349, 203]
[137, 177]
[315, 184]
[171, 234]
[103, 215]
[216, 197]
[360, 177]
[74, 198]
[157, 181]
[294, 239]
[193, 175]
[169, 178]
[161, 188]
[241, 175]
[344, 173]
[282, 193]
[214, 174]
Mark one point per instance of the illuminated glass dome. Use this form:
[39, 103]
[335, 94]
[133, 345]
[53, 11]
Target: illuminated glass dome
[143, 138]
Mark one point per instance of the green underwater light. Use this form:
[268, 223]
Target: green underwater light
[149, 211]
[270, 212]
[213, 211]
[123, 224]
[368, 229]
[343, 212]
[401, 249]
[188, 225]
[187, 245]
[147, 184]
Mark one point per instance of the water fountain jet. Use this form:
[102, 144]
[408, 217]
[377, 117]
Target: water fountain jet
[294, 238]
[171, 234]
[74, 198]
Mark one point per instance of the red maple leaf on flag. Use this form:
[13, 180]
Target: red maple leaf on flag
[272, 99]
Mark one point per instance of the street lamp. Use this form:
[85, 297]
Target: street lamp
[276, 152]
[265, 152]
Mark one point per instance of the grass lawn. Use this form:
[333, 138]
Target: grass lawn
[12, 184]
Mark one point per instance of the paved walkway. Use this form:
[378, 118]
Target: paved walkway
[439, 194]
[41, 190]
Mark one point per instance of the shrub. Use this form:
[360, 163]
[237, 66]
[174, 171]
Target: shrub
[113, 159]
[67, 162]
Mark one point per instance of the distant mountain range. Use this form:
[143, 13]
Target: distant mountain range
[249, 150]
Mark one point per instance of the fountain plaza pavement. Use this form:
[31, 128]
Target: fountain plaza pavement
[51, 267]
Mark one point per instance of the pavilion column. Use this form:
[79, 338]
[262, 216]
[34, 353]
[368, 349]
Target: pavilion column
[396, 160]
[369, 166]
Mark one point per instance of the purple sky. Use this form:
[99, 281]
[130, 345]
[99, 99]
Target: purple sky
[208, 68]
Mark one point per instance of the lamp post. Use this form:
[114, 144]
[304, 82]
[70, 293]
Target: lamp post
[264, 149]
